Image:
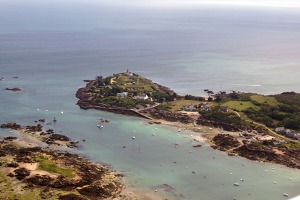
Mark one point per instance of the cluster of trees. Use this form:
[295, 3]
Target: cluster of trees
[279, 115]
[217, 115]
[161, 97]
[191, 97]
[124, 102]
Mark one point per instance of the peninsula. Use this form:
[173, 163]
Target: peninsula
[31, 170]
[258, 127]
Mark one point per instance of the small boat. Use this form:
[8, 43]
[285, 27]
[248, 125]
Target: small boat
[100, 126]
[133, 137]
[285, 194]
[179, 130]
[54, 119]
[236, 184]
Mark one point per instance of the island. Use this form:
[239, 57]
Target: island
[258, 127]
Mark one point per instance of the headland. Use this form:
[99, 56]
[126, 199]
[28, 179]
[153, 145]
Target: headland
[258, 127]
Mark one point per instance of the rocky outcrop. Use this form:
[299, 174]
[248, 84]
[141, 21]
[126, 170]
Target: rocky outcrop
[168, 115]
[11, 125]
[21, 173]
[16, 89]
[85, 102]
[225, 142]
[219, 124]
[91, 181]
[256, 151]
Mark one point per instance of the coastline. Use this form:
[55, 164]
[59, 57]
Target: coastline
[219, 134]
[117, 188]
[30, 162]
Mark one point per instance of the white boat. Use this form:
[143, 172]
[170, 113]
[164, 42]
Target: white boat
[133, 137]
[285, 194]
[100, 126]
[236, 184]
[62, 111]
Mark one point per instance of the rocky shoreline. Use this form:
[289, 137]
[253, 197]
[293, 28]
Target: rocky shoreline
[223, 142]
[85, 102]
[44, 173]
[256, 152]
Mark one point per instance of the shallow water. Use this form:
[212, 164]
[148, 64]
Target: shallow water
[53, 50]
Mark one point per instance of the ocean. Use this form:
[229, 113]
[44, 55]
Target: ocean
[53, 46]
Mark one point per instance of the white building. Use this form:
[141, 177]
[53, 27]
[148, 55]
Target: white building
[122, 94]
[142, 96]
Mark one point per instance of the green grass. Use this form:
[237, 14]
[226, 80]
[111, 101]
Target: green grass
[49, 166]
[178, 104]
[264, 100]
[240, 105]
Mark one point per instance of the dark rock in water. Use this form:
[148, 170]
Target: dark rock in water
[10, 138]
[165, 187]
[49, 131]
[37, 128]
[42, 120]
[13, 89]
[21, 173]
[11, 125]
[59, 137]
[197, 145]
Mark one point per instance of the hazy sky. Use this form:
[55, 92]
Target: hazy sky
[175, 3]
[188, 3]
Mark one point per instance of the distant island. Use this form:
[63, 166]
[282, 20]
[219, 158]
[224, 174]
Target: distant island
[255, 126]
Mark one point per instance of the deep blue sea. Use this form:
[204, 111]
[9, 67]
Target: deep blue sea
[53, 46]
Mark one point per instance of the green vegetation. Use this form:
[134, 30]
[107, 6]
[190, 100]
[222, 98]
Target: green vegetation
[109, 91]
[164, 106]
[240, 105]
[272, 111]
[49, 166]
[179, 104]
[261, 99]
[226, 117]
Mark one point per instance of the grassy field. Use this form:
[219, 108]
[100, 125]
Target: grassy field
[178, 104]
[265, 99]
[49, 166]
[240, 105]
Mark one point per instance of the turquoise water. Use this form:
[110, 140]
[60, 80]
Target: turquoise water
[149, 161]
[52, 47]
